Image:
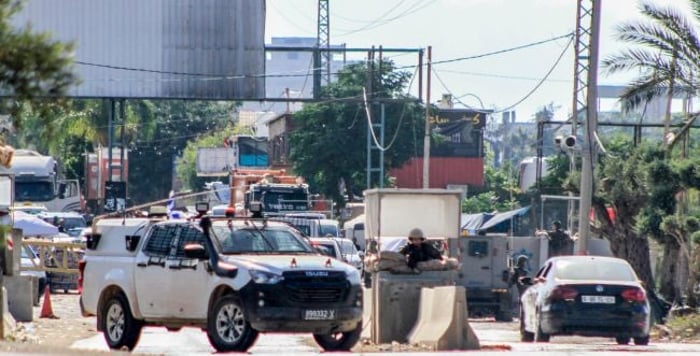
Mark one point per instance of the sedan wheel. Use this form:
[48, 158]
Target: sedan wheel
[644, 340]
[622, 340]
[525, 336]
[540, 336]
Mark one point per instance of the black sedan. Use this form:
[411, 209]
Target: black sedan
[588, 296]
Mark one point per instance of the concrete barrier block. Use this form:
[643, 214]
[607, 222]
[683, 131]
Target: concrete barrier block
[366, 314]
[20, 297]
[396, 301]
[10, 323]
[443, 320]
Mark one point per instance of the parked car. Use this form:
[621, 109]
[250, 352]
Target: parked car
[349, 252]
[32, 209]
[327, 246]
[70, 220]
[588, 296]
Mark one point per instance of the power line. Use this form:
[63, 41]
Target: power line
[529, 94]
[381, 21]
[213, 76]
[569, 35]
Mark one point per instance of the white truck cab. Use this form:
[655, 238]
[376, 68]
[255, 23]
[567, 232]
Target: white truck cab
[232, 277]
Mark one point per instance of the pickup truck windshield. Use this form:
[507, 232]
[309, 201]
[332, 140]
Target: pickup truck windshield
[267, 240]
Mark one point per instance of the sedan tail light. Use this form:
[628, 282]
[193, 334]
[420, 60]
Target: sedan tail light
[563, 293]
[634, 295]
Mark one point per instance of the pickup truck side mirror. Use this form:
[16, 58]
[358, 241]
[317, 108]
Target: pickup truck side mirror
[131, 242]
[196, 251]
[92, 240]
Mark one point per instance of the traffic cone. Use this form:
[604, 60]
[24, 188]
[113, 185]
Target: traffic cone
[46, 309]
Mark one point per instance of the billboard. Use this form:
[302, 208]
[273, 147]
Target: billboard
[463, 132]
[159, 49]
[216, 161]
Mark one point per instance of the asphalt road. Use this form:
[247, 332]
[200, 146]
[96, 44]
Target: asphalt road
[492, 335]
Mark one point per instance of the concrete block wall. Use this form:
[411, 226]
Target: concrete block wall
[443, 322]
[396, 301]
[20, 297]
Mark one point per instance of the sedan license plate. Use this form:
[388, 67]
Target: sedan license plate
[598, 299]
[319, 314]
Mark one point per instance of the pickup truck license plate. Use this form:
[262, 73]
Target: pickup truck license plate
[598, 299]
[319, 314]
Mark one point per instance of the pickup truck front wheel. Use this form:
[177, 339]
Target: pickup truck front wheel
[119, 327]
[227, 328]
[342, 341]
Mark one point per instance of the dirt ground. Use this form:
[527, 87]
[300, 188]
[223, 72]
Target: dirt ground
[53, 335]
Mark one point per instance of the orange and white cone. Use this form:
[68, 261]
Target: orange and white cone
[46, 309]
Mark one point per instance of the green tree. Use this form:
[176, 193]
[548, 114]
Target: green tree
[329, 147]
[35, 70]
[153, 152]
[666, 56]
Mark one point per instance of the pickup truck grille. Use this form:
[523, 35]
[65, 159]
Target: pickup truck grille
[303, 288]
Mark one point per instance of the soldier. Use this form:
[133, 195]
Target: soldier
[519, 272]
[418, 250]
[559, 240]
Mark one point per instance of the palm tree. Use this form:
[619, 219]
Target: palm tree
[666, 55]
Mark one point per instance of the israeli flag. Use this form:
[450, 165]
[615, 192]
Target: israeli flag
[171, 202]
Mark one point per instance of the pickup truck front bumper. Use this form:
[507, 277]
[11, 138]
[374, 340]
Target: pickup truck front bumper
[272, 308]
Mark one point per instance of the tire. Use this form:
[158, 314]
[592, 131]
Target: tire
[342, 341]
[119, 327]
[540, 336]
[525, 336]
[503, 316]
[622, 340]
[644, 340]
[227, 328]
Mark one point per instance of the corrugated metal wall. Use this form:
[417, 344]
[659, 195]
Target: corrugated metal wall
[189, 49]
[443, 171]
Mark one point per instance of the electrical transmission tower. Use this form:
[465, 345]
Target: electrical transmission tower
[323, 35]
[585, 104]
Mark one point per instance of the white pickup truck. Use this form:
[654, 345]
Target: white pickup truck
[233, 278]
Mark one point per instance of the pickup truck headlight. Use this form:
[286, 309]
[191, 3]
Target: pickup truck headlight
[262, 277]
[354, 277]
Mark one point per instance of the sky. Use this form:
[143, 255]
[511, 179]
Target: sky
[464, 28]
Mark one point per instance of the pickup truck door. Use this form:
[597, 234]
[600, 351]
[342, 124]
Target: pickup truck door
[151, 276]
[189, 278]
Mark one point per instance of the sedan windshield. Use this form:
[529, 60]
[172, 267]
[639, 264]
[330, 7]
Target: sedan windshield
[267, 240]
[594, 270]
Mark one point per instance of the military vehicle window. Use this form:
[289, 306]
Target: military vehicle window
[478, 248]
[189, 235]
[160, 241]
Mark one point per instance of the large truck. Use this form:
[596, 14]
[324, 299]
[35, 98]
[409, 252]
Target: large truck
[38, 181]
[277, 192]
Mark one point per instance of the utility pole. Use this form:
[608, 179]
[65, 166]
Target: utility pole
[426, 139]
[589, 145]
[323, 37]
